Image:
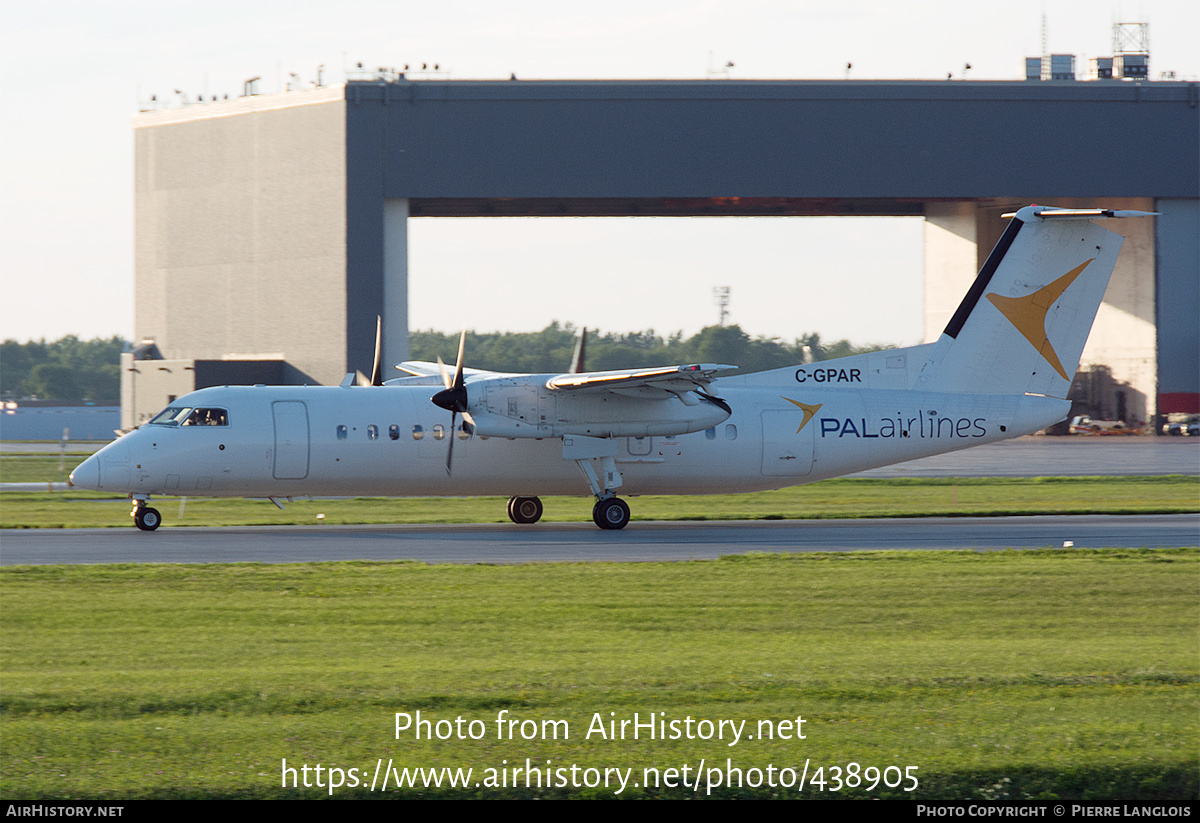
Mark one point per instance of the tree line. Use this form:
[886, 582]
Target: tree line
[89, 370]
[67, 369]
[551, 349]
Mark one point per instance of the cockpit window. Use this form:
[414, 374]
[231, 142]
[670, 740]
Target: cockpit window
[207, 417]
[187, 416]
[171, 416]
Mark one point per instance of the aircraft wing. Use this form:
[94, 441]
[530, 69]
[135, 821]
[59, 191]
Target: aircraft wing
[418, 368]
[422, 368]
[666, 379]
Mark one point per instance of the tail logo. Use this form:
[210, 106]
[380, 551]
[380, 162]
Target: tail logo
[808, 410]
[1028, 314]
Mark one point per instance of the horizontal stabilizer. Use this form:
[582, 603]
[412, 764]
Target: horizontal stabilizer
[1051, 213]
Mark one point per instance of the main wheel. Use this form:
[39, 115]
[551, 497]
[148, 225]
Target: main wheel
[147, 519]
[612, 513]
[524, 509]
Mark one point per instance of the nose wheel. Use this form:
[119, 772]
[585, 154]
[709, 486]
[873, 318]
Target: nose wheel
[524, 509]
[144, 517]
[611, 513]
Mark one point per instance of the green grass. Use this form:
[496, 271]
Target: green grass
[842, 498]
[1006, 675]
[35, 468]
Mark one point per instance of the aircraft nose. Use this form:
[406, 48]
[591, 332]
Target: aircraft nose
[87, 474]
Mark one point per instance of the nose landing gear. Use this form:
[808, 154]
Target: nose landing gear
[144, 517]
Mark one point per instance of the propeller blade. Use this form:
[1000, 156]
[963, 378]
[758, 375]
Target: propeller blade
[376, 378]
[458, 367]
[453, 398]
[577, 366]
[377, 368]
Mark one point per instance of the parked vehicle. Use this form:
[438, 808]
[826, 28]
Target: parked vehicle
[1188, 426]
[1086, 425]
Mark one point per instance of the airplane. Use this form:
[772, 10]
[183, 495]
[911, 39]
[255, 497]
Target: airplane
[1001, 369]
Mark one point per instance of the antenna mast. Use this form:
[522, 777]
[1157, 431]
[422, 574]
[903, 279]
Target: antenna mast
[721, 296]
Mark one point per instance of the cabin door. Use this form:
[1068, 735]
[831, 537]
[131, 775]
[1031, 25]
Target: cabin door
[291, 439]
[786, 452]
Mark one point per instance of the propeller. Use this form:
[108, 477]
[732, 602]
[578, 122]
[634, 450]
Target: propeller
[376, 378]
[577, 359]
[453, 398]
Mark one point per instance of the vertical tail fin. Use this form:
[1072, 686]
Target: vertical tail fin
[1022, 326]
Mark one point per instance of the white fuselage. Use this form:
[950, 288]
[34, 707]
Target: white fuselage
[996, 372]
[282, 441]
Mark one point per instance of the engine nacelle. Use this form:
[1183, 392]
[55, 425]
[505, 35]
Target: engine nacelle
[524, 407]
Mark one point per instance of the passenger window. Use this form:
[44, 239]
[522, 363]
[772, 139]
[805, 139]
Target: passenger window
[439, 432]
[341, 432]
[394, 431]
[710, 434]
[463, 434]
[372, 432]
[730, 431]
[418, 432]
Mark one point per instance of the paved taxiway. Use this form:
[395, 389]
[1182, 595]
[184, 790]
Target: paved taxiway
[1077, 456]
[551, 542]
[578, 542]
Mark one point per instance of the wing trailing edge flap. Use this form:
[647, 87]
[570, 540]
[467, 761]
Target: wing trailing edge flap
[676, 380]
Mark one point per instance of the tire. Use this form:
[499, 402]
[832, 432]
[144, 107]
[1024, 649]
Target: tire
[147, 519]
[611, 514]
[524, 509]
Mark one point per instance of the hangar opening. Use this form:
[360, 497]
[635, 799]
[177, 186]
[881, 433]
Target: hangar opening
[858, 279]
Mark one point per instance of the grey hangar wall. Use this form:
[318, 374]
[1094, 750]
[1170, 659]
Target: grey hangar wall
[276, 225]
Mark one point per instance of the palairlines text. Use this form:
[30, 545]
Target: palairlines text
[919, 426]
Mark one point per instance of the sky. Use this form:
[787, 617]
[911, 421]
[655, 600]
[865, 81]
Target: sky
[73, 74]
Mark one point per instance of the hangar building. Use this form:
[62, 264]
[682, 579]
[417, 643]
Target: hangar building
[274, 227]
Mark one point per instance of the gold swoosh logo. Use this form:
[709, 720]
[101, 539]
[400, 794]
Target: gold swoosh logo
[1028, 314]
[808, 410]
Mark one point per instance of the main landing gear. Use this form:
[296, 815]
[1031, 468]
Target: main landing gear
[611, 513]
[524, 509]
[144, 517]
